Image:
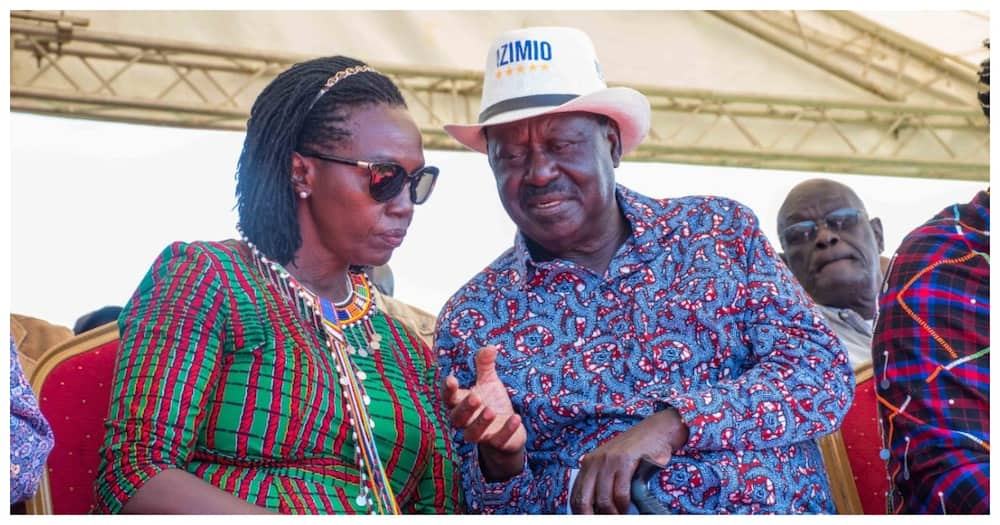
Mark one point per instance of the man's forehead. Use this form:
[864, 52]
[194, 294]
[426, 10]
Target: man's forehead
[819, 198]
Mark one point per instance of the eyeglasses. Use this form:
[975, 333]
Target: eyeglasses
[387, 179]
[836, 220]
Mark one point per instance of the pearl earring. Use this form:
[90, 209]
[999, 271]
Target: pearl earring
[303, 194]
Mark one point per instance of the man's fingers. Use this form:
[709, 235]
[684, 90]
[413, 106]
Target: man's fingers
[622, 495]
[449, 391]
[500, 439]
[604, 483]
[486, 359]
[479, 426]
[465, 411]
[581, 497]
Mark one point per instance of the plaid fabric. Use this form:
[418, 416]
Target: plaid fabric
[218, 376]
[931, 356]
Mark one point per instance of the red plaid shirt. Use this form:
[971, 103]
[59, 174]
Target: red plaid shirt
[931, 356]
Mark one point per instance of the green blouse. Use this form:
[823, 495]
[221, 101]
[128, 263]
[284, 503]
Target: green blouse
[219, 376]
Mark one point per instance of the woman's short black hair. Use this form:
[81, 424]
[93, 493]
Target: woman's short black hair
[282, 122]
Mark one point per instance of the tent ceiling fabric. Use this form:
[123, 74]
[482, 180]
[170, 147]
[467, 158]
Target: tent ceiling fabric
[804, 90]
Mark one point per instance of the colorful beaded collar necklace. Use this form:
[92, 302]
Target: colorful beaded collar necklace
[375, 492]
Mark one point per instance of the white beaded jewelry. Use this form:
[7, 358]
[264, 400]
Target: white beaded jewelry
[308, 305]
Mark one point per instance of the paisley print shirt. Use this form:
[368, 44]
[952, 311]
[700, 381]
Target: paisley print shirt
[695, 311]
[31, 436]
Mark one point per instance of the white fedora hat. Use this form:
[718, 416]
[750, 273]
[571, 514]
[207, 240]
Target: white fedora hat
[540, 70]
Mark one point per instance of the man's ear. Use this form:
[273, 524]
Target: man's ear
[877, 228]
[615, 138]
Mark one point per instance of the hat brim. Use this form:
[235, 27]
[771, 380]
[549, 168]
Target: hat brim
[626, 106]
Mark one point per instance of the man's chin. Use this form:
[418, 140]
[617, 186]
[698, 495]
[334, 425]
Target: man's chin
[842, 288]
[549, 226]
[553, 240]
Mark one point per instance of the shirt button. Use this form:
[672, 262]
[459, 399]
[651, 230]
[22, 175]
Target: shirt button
[843, 315]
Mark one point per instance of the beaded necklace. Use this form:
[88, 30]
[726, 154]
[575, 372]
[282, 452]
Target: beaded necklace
[357, 309]
[375, 493]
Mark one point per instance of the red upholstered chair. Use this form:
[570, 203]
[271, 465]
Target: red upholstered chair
[858, 477]
[73, 384]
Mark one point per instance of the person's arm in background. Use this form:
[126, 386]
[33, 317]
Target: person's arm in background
[172, 332]
[31, 437]
[931, 355]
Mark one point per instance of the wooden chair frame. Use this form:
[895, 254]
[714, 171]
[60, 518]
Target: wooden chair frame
[838, 465]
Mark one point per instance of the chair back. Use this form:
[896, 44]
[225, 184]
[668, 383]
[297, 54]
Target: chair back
[857, 474]
[73, 383]
[863, 439]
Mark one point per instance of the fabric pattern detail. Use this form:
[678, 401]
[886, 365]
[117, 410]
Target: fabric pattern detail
[219, 376]
[931, 354]
[31, 437]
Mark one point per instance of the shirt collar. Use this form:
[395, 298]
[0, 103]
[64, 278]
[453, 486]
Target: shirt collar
[640, 211]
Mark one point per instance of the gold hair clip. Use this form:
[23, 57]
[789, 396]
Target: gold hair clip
[337, 77]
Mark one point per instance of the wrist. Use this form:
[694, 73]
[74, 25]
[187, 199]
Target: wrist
[497, 465]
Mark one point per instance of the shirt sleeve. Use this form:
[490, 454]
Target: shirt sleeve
[172, 331]
[931, 355]
[799, 384]
[31, 437]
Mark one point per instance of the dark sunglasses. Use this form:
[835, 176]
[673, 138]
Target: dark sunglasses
[836, 220]
[387, 179]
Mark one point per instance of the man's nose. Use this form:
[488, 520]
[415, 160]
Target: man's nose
[542, 169]
[826, 236]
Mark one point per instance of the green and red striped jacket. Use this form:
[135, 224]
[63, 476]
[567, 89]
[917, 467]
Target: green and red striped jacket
[218, 376]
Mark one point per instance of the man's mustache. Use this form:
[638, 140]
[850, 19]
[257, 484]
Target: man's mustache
[556, 187]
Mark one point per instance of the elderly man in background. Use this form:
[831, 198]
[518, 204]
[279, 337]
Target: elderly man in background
[833, 247]
[620, 327]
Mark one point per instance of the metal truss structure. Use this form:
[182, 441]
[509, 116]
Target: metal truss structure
[887, 64]
[928, 126]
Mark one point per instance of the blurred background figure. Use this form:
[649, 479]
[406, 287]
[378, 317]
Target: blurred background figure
[833, 247]
[420, 321]
[381, 276]
[99, 317]
[32, 337]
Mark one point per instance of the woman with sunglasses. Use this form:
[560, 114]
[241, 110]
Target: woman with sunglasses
[258, 375]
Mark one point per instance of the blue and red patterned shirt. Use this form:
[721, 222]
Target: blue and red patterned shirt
[31, 437]
[695, 311]
[931, 354]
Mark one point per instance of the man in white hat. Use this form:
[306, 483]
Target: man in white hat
[620, 327]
